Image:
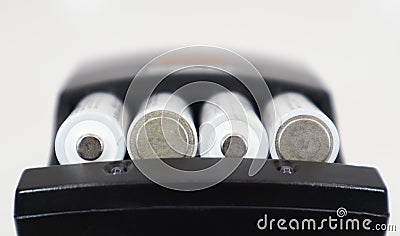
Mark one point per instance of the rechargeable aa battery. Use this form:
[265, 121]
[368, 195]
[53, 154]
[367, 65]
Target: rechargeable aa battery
[163, 128]
[300, 130]
[92, 132]
[231, 128]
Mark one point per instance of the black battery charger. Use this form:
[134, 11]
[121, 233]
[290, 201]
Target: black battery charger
[116, 198]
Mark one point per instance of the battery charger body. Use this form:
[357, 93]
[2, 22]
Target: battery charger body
[91, 199]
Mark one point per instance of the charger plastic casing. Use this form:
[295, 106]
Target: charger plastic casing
[115, 198]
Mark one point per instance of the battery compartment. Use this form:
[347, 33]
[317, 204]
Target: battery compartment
[278, 79]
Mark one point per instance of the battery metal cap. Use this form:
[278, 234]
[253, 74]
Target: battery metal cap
[304, 138]
[234, 146]
[162, 134]
[89, 147]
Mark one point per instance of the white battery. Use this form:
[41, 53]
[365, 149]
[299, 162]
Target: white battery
[299, 130]
[93, 131]
[231, 128]
[163, 128]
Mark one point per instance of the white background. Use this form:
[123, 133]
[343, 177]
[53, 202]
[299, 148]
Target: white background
[353, 45]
